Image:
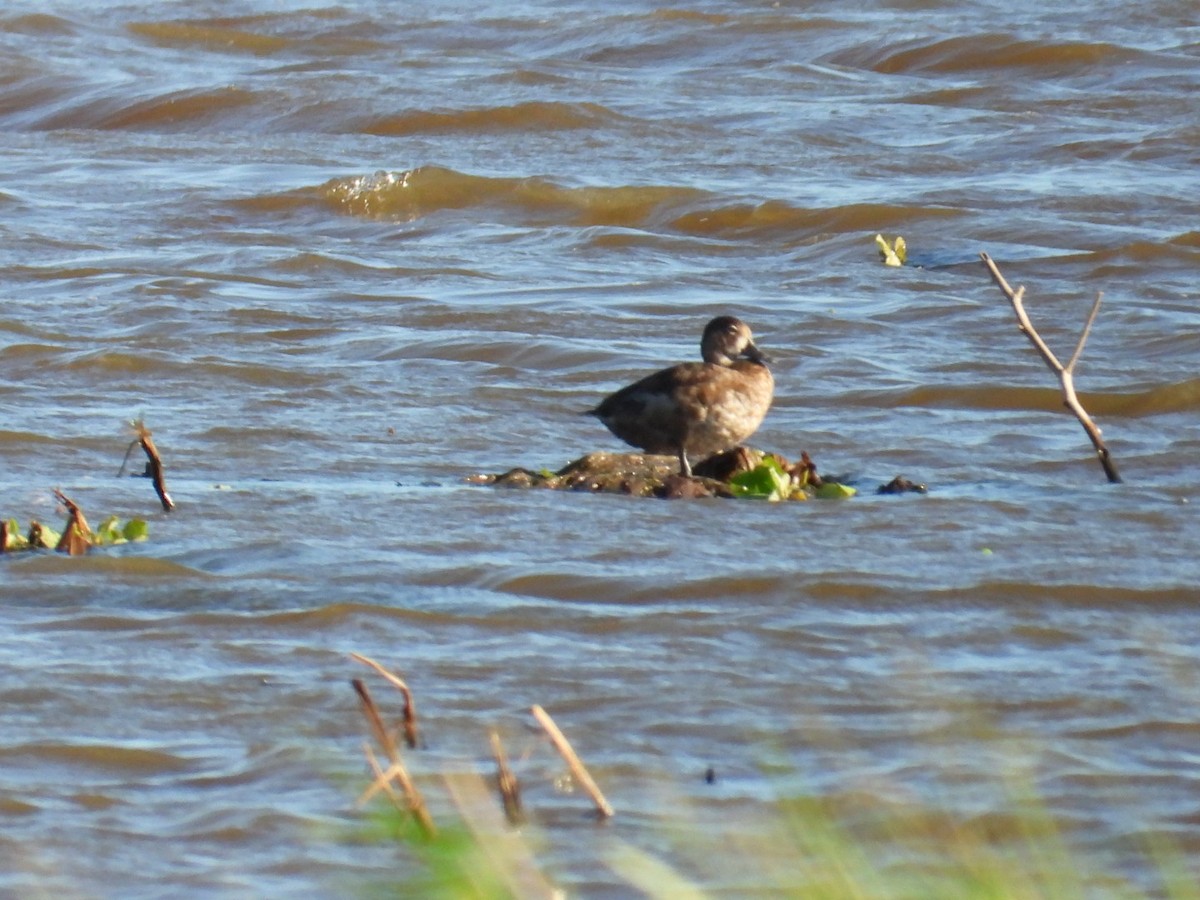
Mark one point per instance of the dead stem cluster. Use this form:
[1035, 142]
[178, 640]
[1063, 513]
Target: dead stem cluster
[394, 780]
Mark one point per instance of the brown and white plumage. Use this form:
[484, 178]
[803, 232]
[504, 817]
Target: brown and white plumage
[696, 409]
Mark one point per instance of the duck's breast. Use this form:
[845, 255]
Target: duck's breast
[730, 405]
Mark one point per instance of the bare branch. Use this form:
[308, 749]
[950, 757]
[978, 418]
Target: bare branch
[1016, 298]
[1065, 373]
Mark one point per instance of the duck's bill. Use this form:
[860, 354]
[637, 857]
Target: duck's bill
[752, 352]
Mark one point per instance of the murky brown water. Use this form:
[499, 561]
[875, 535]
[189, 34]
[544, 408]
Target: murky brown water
[340, 257]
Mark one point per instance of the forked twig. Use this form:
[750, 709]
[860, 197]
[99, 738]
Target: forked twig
[1066, 374]
[574, 763]
[154, 466]
[410, 707]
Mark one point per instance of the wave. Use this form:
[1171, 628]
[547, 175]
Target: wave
[23, 438]
[423, 191]
[175, 110]
[36, 23]
[210, 35]
[1142, 252]
[130, 565]
[108, 757]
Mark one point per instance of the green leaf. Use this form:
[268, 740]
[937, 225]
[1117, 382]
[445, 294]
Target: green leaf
[108, 532]
[16, 540]
[136, 530]
[49, 537]
[766, 481]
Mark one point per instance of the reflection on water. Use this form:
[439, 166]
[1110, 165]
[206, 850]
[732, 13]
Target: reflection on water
[341, 258]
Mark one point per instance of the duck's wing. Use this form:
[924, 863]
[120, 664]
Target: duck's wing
[654, 413]
[653, 391]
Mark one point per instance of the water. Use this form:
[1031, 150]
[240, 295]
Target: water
[339, 258]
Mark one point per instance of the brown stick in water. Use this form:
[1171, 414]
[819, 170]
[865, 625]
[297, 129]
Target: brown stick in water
[155, 465]
[506, 781]
[76, 536]
[574, 763]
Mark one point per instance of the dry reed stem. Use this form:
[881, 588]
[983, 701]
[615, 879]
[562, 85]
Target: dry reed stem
[410, 706]
[574, 763]
[652, 877]
[382, 782]
[1066, 374]
[506, 781]
[397, 771]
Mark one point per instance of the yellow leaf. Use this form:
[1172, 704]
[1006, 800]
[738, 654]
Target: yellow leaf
[890, 257]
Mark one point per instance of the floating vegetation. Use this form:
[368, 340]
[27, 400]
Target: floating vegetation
[76, 537]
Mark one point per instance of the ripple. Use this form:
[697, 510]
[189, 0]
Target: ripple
[1159, 400]
[982, 53]
[532, 116]
[130, 565]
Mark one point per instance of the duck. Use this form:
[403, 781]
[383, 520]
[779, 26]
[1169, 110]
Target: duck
[695, 409]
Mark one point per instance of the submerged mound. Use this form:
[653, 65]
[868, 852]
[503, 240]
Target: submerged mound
[741, 472]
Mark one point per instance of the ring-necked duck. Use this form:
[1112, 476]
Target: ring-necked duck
[700, 408]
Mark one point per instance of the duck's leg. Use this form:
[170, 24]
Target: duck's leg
[685, 467]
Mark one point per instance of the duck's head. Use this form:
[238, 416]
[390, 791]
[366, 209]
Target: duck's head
[726, 339]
